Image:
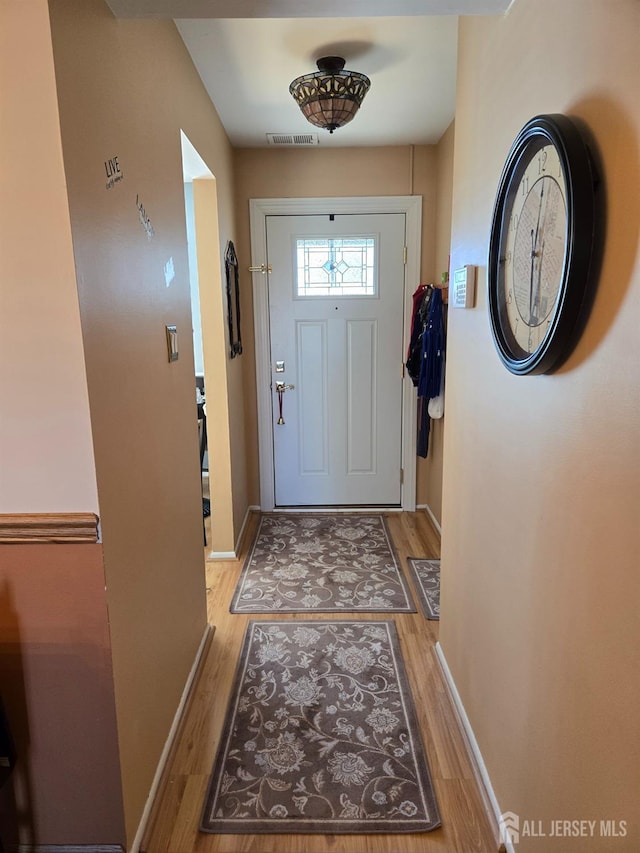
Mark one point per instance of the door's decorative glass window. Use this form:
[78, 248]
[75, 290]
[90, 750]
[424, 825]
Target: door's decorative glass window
[336, 267]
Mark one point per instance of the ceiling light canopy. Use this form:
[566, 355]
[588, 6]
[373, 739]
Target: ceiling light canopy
[330, 97]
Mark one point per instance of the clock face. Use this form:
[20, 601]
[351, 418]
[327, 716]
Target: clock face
[541, 246]
[534, 248]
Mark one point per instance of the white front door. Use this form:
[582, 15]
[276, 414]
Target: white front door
[336, 297]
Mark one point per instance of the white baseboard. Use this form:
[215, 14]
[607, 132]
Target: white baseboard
[250, 509]
[477, 762]
[233, 555]
[434, 520]
[142, 826]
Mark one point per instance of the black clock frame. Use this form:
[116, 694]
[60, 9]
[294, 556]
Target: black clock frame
[578, 271]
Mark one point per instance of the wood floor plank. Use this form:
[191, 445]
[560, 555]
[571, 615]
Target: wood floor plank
[465, 825]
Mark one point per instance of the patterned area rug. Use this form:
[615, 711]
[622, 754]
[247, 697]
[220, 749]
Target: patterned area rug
[427, 577]
[323, 563]
[321, 735]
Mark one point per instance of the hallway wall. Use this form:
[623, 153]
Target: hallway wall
[56, 681]
[43, 384]
[430, 470]
[318, 173]
[540, 581]
[126, 89]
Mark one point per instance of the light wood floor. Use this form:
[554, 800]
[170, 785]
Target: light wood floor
[174, 825]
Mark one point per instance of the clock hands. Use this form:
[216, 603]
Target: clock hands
[536, 300]
[535, 254]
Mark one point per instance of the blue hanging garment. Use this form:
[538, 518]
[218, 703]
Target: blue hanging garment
[431, 365]
[432, 349]
[420, 312]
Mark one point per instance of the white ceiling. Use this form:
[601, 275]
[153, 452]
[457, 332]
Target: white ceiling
[247, 66]
[248, 51]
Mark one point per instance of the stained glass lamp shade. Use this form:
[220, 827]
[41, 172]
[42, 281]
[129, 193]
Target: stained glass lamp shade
[330, 97]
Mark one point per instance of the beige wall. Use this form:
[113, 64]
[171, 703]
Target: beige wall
[540, 580]
[126, 89]
[43, 389]
[430, 469]
[215, 348]
[302, 173]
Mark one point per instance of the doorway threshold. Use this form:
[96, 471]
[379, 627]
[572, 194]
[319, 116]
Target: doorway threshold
[334, 509]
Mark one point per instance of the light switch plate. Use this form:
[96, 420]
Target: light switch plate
[172, 342]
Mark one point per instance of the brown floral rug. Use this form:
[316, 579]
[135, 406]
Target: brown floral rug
[427, 577]
[324, 563]
[320, 736]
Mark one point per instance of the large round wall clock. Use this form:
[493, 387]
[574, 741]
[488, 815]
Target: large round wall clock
[542, 245]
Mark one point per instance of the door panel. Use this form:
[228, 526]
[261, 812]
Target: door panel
[362, 339]
[311, 398]
[340, 443]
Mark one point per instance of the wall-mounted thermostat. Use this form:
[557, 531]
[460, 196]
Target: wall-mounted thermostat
[462, 293]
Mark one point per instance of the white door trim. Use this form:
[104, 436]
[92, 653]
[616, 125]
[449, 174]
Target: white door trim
[259, 209]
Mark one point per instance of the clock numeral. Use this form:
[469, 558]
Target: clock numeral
[514, 221]
[510, 297]
[525, 185]
[542, 162]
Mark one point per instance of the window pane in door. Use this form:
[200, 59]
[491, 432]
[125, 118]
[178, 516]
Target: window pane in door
[328, 266]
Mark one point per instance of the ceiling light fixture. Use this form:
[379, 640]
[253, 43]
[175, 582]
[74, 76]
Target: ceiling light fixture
[330, 97]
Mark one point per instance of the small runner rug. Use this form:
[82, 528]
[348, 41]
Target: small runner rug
[427, 577]
[322, 563]
[321, 735]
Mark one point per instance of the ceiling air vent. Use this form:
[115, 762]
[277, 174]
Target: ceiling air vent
[304, 139]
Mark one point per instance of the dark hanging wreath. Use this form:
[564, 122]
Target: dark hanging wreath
[231, 272]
